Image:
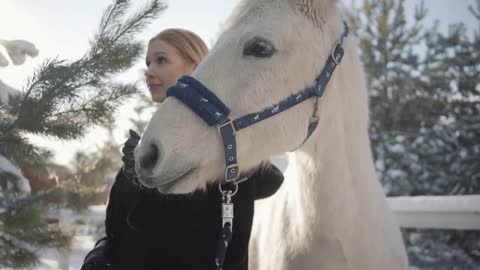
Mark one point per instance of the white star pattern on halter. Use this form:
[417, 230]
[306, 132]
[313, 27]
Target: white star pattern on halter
[182, 85]
[276, 109]
[217, 114]
[256, 117]
[299, 97]
[204, 100]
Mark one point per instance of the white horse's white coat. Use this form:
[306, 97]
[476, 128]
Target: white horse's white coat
[331, 212]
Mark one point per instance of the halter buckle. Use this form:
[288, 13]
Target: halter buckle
[336, 59]
[231, 173]
[227, 123]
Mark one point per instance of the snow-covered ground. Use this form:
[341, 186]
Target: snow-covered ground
[428, 211]
[87, 228]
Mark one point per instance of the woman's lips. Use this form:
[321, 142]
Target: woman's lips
[154, 87]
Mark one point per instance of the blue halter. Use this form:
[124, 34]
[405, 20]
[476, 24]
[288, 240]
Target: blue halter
[214, 112]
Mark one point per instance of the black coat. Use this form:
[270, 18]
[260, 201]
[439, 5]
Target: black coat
[147, 230]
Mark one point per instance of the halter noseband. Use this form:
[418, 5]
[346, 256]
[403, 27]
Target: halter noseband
[214, 112]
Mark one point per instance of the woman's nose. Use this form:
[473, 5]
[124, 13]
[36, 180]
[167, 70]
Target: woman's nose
[148, 72]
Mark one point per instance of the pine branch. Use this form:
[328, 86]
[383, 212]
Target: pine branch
[18, 149]
[475, 11]
[113, 11]
[14, 256]
[59, 86]
[136, 22]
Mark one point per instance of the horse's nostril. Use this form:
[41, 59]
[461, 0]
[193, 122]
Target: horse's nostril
[149, 160]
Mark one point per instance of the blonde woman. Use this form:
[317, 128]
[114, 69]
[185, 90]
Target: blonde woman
[149, 230]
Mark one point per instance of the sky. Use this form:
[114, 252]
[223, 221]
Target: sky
[63, 28]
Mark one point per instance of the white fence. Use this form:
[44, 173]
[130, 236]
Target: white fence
[429, 212]
[437, 212]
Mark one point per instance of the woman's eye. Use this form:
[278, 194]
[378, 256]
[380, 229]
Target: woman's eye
[259, 47]
[161, 60]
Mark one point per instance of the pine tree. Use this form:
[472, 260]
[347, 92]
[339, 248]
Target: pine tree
[61, 100]
[88, 182]
[388, 45]
[424, 98]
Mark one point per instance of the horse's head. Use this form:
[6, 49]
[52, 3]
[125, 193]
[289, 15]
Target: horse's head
[270, 50]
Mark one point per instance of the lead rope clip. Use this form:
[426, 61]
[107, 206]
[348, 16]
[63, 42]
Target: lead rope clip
[227, 209]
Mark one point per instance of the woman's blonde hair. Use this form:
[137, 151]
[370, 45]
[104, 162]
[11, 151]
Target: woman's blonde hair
[188, 44]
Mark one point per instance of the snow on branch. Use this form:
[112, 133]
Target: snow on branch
[3, 60]
[7, 166]
[7, 93]
[17, 51]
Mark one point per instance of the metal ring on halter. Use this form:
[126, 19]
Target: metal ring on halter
[225, 192]
[334, 58]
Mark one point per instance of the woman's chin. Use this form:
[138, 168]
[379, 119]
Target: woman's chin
[158, 96]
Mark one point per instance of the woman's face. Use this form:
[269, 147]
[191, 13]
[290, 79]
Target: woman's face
[164, 67]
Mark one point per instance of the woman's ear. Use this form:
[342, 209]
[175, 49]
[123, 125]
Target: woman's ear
[189, 68]
[267, 181]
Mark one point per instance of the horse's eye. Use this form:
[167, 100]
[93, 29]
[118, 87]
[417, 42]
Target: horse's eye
[259, 47]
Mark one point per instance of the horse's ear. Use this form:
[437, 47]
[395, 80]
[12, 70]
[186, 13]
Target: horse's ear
[315, 9]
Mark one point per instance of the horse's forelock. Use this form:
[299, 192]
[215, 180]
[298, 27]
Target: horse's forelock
[245, 8]
[315, 10]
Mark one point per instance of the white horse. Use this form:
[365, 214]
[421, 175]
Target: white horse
[331, 212]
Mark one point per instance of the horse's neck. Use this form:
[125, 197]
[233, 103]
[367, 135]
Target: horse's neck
[331, 210]
[349, 222]
[336, 172]
[316, 203]
[336, 165]
[329, 214]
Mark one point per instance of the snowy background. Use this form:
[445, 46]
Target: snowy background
[40, 36]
